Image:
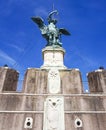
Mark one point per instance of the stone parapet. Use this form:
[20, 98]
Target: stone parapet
[38, 81]
[97, 81]
[8, 79]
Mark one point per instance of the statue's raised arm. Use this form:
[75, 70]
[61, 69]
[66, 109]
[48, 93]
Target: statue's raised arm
[50, 19]
[50, 32]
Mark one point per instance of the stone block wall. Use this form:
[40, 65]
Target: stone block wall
[25, 110]
[36, 81]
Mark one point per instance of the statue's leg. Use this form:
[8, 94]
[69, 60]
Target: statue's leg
[54, 40]
[51, 40]
[47, 44]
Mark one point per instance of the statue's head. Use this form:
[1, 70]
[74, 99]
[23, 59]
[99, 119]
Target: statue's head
[54, 21]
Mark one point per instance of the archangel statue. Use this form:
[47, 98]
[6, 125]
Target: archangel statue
[50, 32]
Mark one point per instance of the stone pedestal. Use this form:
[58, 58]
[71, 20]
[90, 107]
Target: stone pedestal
[53, 57]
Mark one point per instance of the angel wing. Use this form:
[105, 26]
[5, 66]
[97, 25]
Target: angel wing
[39, 21]
[64, 31]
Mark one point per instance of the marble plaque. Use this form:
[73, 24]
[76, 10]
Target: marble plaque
[54, 81]
[54, 114]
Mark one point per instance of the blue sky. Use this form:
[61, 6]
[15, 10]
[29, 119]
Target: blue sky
[21, 42]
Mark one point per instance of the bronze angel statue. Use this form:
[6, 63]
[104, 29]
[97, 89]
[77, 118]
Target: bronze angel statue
[50, 32]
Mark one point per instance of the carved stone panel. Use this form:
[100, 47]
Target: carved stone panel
[54, 114]
[53, 81]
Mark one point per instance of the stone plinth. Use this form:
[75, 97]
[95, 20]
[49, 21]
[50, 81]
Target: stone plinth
[53, 57]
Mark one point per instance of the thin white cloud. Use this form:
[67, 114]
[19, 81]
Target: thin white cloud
[83, 59]
[5, 57]
[16, 47]
[86, 60]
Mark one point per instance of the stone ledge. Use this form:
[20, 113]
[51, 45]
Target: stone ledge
[42, 112]
[70, 95]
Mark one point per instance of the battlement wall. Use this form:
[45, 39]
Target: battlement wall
[88, 109]
[8, 79]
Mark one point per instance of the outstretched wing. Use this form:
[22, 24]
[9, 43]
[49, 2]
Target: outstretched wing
[64, 31]
[38, 20]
